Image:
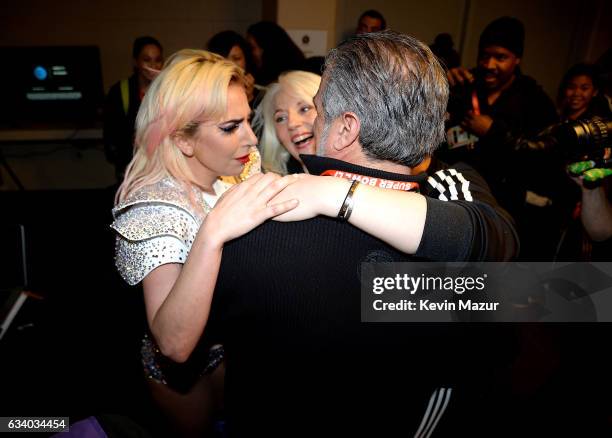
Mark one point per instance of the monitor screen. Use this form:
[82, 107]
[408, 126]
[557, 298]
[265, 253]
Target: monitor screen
[50, 84]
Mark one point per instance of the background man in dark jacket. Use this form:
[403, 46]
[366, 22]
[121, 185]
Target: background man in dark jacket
[499, 105]
[509, 105]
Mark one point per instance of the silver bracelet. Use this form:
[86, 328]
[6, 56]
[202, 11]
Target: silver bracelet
[347, 205]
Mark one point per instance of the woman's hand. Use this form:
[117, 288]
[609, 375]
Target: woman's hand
[317, 195]
[247, 205]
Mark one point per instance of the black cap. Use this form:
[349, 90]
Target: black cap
[506, 32]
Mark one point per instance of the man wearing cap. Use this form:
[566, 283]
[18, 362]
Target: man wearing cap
[498, 104]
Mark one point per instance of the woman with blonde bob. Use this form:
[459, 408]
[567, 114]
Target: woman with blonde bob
[286, 116]
[192, 127]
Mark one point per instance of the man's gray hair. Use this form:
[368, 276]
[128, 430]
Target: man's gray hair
[398, 90]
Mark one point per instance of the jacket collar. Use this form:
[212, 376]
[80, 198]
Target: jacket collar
[316, 165]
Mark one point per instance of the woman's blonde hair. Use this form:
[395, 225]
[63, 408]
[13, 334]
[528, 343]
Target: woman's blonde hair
[300, 84]
[191, 88]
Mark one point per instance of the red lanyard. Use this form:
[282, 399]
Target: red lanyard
[475, 103]
[373, 181]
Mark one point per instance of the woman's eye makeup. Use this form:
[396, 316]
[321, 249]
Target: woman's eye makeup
[280, 118]
[232, 125]
[229, 128]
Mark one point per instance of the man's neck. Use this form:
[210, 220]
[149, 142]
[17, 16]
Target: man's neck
[358, 158]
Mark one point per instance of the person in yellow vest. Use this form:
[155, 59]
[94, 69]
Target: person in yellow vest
[123, 101]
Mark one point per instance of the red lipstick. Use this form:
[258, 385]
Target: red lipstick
[243, 159]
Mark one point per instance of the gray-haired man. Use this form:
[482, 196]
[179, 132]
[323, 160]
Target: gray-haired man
[287, 303]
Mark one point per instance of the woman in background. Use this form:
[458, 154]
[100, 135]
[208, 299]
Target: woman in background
[234, 47]
[578, 95]
[123, 102]
[286, 117]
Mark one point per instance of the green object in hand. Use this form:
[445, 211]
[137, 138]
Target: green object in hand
[593, 175]
[580, 167]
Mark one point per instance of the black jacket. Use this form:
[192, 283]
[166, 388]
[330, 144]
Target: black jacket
[521, 111]
[287, 309]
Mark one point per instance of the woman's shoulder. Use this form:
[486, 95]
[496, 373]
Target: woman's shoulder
[167, 192]
[155, 224]
[162, 208]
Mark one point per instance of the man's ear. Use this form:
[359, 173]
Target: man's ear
[348, 127]
[184, 144]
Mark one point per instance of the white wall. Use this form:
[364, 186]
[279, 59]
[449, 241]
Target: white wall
[309, 15]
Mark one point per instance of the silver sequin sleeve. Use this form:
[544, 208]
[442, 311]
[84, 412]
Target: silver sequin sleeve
[150, 235]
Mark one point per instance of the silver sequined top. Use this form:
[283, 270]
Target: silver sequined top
[157, 225]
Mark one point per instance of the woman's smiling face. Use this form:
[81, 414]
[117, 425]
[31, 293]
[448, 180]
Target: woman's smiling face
[579, 93]
[294, 120]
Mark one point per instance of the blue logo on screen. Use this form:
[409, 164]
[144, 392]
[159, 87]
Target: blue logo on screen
[40, 73]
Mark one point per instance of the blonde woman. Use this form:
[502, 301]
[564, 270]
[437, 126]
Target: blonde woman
[286, 115]
[192, 127]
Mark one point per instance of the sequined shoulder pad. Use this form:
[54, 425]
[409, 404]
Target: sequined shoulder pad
[166, 192]
[154, 226]
[154, 219]
[163, 208]
[151, 235]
